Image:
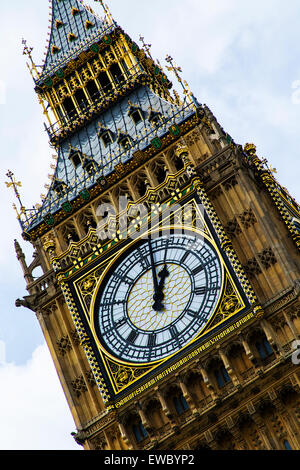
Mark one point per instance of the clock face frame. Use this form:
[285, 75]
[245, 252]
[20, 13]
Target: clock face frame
[118, 379]
[127, 324]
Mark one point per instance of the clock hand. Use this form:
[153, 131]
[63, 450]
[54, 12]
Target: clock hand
[163, 275]
[158, 295]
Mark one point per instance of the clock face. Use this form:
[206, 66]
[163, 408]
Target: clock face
[158, 297]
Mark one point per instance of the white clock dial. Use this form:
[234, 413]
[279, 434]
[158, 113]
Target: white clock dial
[158, 297]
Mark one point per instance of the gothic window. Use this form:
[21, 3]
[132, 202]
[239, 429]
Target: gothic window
[125, 142]
[89, 166]
[116, 73]
[155, 119]
[142, 188]
[139, 432]
[72, 237]
[107, 138]
[69, 107]
[105, 82]
[69, 234]
[155, 415]
[239, 360]
[180, 404]
[197, 388]
[92, 90]
[222, 376]
[264, 349]
[178, 162]
[59, 188]
[287, 445]
[136, 116]
[161, 175]
[76, 158]
[81, 100]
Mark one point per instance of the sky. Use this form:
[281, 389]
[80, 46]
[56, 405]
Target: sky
[241, 59]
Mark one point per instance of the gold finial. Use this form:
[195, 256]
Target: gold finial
[177, 70]
[106, 11]
[28, 51]
[146, 46]
[15, 185]
[174, 68]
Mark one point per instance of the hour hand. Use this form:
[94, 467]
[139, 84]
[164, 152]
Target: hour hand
[163, 275]
[159, 294]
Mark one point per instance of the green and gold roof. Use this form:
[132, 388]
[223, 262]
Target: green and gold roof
[74, 28]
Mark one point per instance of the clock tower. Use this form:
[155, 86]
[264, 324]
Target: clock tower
[170, 298]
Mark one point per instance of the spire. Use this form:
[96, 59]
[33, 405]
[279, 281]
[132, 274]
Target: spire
[73, 28]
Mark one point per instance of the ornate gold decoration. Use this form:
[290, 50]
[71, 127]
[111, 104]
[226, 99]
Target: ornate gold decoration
[250, 149]
[230, 304]
[87, 286]
[124, 376]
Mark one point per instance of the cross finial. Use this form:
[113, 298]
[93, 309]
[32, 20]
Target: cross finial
[174, 68]
[106, 11]
[27, 50]
[15, 185]
[146, 46]
[177, 70]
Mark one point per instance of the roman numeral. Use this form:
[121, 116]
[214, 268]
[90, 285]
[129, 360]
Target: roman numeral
[192, 313]
[121, 322]
[174, 332]
[112, 303]
[184, 258]
[201, 290]
[125, 279]
[132, 337]
[198, 270]
[152, 341]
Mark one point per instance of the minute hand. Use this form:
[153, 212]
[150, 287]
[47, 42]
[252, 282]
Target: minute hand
[155, 281]
[158, 294]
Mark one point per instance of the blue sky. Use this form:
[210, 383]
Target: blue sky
[239, 58]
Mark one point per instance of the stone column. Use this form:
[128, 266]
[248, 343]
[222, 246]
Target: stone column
[124, 435]
[228, 367]
[187, 395]
[247, 349]
[207, 382]
[269, 335]
[165, 407]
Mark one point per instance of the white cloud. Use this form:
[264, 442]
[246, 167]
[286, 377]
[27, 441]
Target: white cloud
[33, 410]
[238, 57]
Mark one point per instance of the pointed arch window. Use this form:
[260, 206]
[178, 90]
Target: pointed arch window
[222, 376]
[264, 349]
[136, 114]
[116, 73]
[155, 118]
[92, 90]
[287, 445]
[104, 82]
[76, 158]
[59, 187]
[180, 404]
[90, 166]
[125, 141]
[106, 136]
[139, 432]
